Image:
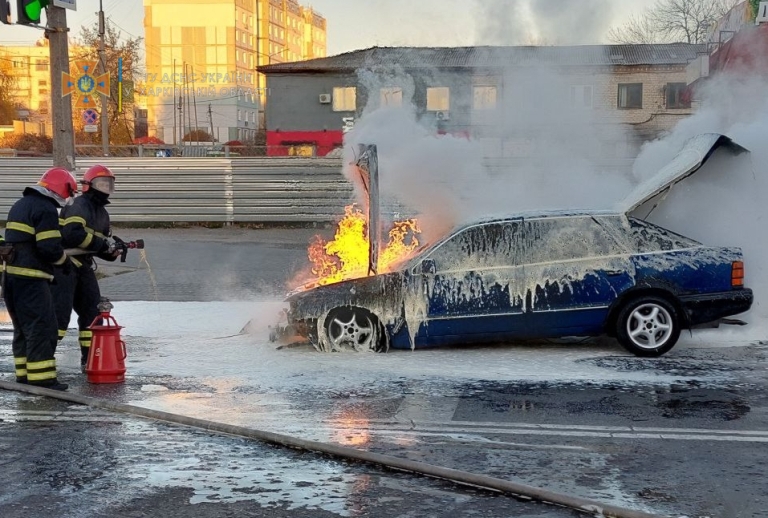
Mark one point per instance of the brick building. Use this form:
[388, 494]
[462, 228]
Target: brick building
[483, 93]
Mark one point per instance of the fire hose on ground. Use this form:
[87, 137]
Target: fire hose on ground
[464, 478]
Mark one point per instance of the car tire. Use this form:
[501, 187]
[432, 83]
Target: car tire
[354, 328]
[648, 326]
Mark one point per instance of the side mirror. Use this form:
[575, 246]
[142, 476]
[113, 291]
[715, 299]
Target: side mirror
[428, 267]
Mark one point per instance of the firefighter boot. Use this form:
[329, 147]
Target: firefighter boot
[53, 385]
[83, 358]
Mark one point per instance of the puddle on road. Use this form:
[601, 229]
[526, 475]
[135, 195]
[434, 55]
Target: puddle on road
[540, 401]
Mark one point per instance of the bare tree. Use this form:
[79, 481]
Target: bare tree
[638, 29]
[673, 20]
[7, 85]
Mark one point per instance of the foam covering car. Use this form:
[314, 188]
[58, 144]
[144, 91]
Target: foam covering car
[539, 275]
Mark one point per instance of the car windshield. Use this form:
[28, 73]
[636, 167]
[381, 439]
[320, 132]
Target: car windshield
[415, 256]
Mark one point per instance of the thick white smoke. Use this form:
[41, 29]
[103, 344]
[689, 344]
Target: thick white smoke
[542, 22]
[725, 202]
[544, 153]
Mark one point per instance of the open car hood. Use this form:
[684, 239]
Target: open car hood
[696, 151]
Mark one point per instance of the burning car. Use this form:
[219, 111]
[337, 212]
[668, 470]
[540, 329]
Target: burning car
[540, 275]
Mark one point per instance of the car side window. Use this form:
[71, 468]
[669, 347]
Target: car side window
[563, 239]
[646, 237]
[482, 246]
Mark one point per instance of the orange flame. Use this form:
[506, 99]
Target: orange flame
[346, 255]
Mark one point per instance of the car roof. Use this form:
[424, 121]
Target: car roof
[541, 214]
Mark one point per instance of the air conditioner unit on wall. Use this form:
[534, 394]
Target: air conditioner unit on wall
[443, 116]
[325, 98]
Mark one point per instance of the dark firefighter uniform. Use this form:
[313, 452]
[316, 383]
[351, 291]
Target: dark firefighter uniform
[85, 225]
[33, 229]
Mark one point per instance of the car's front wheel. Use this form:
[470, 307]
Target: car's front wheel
[648, 326]
[354, 328]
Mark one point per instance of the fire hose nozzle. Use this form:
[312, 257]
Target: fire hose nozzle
[123, 246]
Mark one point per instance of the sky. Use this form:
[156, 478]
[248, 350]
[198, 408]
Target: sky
[356, 24]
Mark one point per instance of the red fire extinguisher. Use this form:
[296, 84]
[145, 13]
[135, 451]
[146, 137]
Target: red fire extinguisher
[106, 358]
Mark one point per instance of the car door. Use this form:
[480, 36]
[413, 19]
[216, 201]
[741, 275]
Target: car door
[574, 269]
[472, 285]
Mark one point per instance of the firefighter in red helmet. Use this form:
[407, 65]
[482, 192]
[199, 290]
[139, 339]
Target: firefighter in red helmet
[32, 229]
[85, 230]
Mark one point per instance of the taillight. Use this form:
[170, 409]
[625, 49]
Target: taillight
[737, 273]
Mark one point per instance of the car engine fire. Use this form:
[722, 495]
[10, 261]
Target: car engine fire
[346, 256]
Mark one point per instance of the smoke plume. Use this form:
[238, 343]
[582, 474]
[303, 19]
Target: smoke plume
[542, 22]
[724, 203]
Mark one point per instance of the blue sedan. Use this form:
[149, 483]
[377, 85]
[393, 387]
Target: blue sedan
[533, 276]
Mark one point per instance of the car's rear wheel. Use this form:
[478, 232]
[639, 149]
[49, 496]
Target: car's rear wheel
[648, 326]
[354, 328]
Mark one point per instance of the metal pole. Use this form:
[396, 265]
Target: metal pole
[61, 106]
[174, 103]
[210, 119]
[189, 104]
[104, 97]
[194, 96]
[260, 115]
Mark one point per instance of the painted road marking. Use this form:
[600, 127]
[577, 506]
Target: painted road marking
[494, 424]
[616, 432]
[461, 430]
[16, 416]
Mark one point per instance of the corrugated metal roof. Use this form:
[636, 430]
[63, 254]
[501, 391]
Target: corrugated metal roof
[494, 57]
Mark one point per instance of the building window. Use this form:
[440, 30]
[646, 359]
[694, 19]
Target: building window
[344, 99]
[630, 96]
[676, 96]
[43, 91]
[239, 115]
[484, 97]
[41, 65]
[581, 96]
[438, 99]
[42, 83]
[392, 96]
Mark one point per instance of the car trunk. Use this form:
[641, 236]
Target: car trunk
[695, 153]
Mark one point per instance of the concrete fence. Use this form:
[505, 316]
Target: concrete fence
[266, 190]
[229, 190]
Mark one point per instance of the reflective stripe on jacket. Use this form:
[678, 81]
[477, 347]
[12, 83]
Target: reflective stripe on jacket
[33, 229]
[85, 224]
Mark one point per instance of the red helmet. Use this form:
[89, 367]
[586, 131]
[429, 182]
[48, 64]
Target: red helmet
[60, 182]
[100, 178]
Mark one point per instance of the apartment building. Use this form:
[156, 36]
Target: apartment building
[201, 60]
[29, 66]
[500, 96]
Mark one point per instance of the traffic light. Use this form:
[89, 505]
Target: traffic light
[30, 11]
[5, 12]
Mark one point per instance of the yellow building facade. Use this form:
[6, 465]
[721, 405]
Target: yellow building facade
[201, 57]
[29, 66]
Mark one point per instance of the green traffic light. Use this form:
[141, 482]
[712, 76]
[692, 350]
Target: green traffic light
[34, 8]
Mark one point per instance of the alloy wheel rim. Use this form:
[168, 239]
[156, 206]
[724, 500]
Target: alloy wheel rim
[649, 326]
[357, 332]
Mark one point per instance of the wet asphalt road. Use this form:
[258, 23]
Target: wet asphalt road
[693, 442]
